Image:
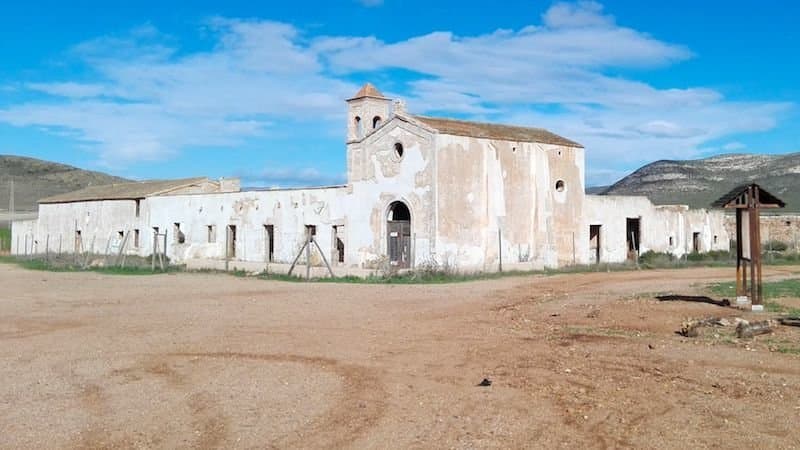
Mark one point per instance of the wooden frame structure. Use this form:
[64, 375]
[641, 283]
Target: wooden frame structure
[748, 200]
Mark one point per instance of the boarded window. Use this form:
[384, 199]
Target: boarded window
[212, 233]
[136, 238]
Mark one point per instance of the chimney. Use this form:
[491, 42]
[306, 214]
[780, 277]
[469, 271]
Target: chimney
[399, 107]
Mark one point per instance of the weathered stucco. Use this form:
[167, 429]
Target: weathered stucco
[475, 203]
[668, 229]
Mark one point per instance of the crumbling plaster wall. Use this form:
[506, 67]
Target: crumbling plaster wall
[657, 225]
[288, 211]
[24, 237]
[494, 193]
[98, 221]
[377, 177]
[778, 227]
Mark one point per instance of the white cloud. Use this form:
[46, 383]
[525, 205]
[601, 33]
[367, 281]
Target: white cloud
[149, 104]
[290, 177]
[151, 99]
[733, 146]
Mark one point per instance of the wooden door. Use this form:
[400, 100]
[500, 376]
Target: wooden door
[399, 241]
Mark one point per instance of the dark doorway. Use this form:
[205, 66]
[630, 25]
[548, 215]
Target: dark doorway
[398, 226]
[696, 242]
[338, 243]
[594, 242]
[269, 242]
[633, 236]
[231, 240]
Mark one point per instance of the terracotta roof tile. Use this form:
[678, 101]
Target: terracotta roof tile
[495, 131]
[368, 90]
[122, 191]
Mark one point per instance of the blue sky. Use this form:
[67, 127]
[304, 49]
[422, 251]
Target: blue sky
[256, 89]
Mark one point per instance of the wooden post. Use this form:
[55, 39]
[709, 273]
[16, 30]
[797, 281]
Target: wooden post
[757, 213]
[108, 247]
[308, 254]
[755, 246]
[324, 259]
[574, 258]
[296, 258]
[155, 249]
[740, 291]
[500, 249]
[47, 248]
[227, 246]
[121, 248]
[163, 255]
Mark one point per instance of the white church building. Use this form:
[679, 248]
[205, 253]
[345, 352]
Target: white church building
[419, 191]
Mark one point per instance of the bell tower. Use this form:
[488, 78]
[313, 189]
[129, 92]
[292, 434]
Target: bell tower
[366, 111]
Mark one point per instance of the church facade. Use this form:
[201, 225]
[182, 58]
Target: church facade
[419, 191]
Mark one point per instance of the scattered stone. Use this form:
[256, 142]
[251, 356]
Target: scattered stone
[485, 383]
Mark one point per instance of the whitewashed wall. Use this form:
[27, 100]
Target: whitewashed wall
[658, 224]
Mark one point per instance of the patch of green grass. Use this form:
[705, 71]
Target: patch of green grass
[43, 265]
[403, 278]
[5, 240]
[788, 350]
[772, 289]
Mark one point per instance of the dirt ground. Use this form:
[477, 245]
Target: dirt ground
[214, 361]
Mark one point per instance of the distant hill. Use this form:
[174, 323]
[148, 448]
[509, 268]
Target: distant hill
[596, 189]
[699, 182]
[35, 179]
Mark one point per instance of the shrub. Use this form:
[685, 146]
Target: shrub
[775, 246]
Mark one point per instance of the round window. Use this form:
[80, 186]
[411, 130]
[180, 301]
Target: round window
[398, 150]
[560, 185]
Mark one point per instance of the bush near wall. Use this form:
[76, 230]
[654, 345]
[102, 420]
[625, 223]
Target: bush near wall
[775, 246]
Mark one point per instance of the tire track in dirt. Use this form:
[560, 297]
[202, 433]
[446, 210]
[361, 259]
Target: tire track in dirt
[362, 406]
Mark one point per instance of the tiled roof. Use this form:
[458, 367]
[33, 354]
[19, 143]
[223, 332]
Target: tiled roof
[123, 191]
[495, 131]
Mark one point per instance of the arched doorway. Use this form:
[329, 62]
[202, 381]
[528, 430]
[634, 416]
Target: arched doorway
[398, 227]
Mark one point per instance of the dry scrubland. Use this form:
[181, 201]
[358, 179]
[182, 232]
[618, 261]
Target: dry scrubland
[579, 360]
